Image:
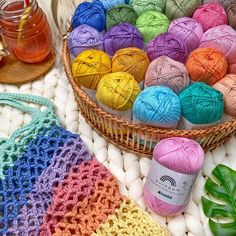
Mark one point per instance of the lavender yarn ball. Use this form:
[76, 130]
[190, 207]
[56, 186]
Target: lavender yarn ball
[90, 13]
[83, 38]
[167, 44]
[188, 30]
[121, 36]
[164, 71]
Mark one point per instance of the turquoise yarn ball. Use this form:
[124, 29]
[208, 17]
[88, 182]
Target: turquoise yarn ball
[111, 3]
[201, 104]
[92, 14]
[157, 106]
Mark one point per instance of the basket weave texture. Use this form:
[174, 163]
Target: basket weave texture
[137, 138]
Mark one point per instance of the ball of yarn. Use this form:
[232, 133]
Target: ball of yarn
[201, 104]
[230, 8]
[207, 65]
[167, 72]
[222, 38]
[111, 3]
[157, 106]
[188, 30]
[227, 86]
[92, 14]
[179, 8]
[121, 36]
[151, 24]
[167, 44]
[120, 14]
[90, 66]
[83, 38]
[132, 60]
[181, 155]
[141, 6]
[118, 91]
[210, 15]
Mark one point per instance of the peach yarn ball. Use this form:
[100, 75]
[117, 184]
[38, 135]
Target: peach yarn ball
[210, 15]
[132, 60]
[227, 86]
[164, 71]
[207, 65]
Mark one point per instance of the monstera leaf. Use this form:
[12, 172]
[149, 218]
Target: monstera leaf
[224, 189]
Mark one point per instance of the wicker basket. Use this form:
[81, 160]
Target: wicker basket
[139, 139]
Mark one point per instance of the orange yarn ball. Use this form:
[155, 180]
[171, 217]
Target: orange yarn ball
[227, 86]
[132, 60]
[207, 65]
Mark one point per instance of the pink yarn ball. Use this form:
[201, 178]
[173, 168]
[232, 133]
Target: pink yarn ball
[164, 71]
[223, 38]
[181, 155]
[211, 15]
[188, 30]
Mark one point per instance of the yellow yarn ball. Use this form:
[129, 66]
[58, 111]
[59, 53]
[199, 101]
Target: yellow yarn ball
[90, 66]
[118, 91]
[132, 60]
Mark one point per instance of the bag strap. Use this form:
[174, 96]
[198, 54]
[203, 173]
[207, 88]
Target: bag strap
[17, 101]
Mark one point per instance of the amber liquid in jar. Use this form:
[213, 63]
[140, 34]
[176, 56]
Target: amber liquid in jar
[31, 42]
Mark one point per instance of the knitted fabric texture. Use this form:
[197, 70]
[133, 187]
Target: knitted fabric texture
[79, 185]
[130, 220]
[31, 215]
[50, 184]
[17, 144]
[92, 211]
[20, 178]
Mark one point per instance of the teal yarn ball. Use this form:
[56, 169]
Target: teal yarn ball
[141, 6]
[151, 24]
[157, 106]
[111, 3]
[120, 14]
[201, 104]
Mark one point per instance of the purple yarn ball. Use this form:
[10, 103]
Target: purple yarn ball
[121, 36]
[169, 45]
[84, 37]
[188, 30]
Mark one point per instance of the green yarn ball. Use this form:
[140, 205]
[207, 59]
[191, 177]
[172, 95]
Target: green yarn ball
[180, 8]
[201, 104]
[151, 24]
[120, 14]
[141, 6]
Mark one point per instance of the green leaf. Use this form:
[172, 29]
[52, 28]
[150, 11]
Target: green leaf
[224, 189]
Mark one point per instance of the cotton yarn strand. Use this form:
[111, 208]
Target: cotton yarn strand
[180, 155]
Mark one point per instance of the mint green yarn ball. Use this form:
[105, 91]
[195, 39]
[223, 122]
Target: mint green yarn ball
[201, 104]
[120, 14]
[151, 24]
[141, 6]
[179, 8]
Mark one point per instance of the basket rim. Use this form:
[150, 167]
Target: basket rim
[141, 127]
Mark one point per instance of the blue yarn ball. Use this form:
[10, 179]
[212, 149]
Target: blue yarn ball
[92, 14]
[157, 106]
[111, 3]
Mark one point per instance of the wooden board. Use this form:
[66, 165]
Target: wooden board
[13, 71]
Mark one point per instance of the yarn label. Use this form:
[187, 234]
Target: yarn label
[169, 186]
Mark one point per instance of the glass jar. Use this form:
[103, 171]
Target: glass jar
[25, 30]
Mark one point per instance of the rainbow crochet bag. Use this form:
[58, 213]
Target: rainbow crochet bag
[51, 185]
